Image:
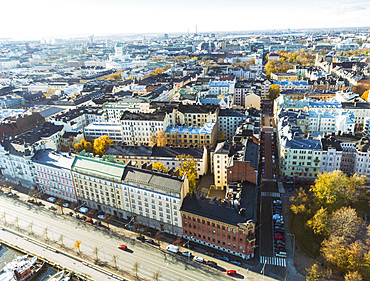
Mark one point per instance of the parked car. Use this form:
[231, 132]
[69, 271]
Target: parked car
[76, 216]
[122, 247]
[280, 242]
[224, 258]
[172, 248]
[52, 208]
[83, 210]
[276, 202]
[291, 189]
[236, 262]
[198, 259]
[279, 237]
[89, 220]
[211, 263]
[101, 217]
[231, 272]
[66, 205]
[150, 241]
[279, 229]
[209, 253]
[52, 199]
[186, 254]
[141, 238]
[70, 214]
[281, 246]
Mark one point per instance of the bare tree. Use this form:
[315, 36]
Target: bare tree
[60, 203]
[345, 223]
[46, 234]
[31, 227]
[16, 222]
[114, 260]
[157, 275]
[135, 268]
[96, 251]
[61, 239]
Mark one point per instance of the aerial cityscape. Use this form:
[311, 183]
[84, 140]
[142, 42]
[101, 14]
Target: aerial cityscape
[137, 143]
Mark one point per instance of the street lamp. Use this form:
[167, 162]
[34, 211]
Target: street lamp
[263, 270]
[291, 234]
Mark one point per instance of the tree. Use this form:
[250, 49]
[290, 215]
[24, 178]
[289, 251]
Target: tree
[334, 250]
[353, 276]
[61, 239]
[156, 71]
[161, 139]
[16, 222]
[345, 223]
[313, 273]
[101, 145]
[274, 92]
[166, 67]
[365, 95]
[189, 166]
[96, 251]
[33, 194]
[159, 166]
[31, 227]
[157, 275]
[114, 260]
[78, 246]
[253, 61]
[300, 202]
[60, 203]
[46, 234]
[135, 268]
[83, 145]
[319, 222]
[158, 237]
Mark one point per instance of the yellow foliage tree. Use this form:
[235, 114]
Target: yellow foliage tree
[161, 140]
[159, 166]
[365, 95]
[253, 61]
[274, 92]
[78, 245]
[156, 71]
[83, 145]
[166, 67]
[188, 166]
[101, 145]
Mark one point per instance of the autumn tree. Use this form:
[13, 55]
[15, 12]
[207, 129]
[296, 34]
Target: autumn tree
[300, 202]
[156, 71]
[365, 95]
[189, 166]
[161, 139]
[78, 245]
[159, 166]
[319, 222]
[353, 276]
[313, 273]
[83, 145]
[274, 92]
[135, 268]
[101, 145]
[166, 67]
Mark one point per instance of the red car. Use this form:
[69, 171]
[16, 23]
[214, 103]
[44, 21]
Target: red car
[279, 237]
[231, 272]
[89, 220]
[122, 247]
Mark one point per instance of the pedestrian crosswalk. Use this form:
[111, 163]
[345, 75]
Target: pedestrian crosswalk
[270, 194]
[273, 261]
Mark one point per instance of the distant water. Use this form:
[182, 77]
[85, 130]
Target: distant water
[7, 255]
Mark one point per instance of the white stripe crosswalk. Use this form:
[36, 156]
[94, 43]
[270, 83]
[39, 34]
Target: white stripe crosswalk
[273, 261]
[270, 194]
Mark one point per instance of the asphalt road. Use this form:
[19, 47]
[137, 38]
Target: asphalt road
[172, 267]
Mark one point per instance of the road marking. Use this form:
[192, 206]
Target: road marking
[274, 180]
[273, 261]
[270, 194]
[281, 187]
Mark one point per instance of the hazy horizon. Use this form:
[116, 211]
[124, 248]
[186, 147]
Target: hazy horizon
[26, 20]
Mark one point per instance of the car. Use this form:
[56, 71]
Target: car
[291, 189]
[198, 259]
[281, 254]
[89, 220]
[211, 263]
[140, 238]
[236, 262]
[70, 214]
[83, 217]
[209, 253]
[150, 241]
[97, 223]
[281, 246]
[224, 258]
[279, 229]
[279, 237]
[76, 216]
[276, 201]
[122, 247]
[277, 216]
[83, 210]
[280, 242]
[186, 254]
[66, 205]
[52, 199]
[52, 208]
[101, 217]
[231, 272]
[172, 248]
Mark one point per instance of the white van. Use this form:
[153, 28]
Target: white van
[172, 248]
[281, 254]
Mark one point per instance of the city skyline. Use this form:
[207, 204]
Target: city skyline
[63, 19]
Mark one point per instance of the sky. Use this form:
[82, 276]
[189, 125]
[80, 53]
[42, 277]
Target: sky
[36, 19]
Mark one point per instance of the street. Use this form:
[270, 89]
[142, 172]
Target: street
[172, 267]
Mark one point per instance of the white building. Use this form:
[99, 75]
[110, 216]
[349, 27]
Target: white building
[221, 87]
[96, 130]
[113, 111]
[53, 171]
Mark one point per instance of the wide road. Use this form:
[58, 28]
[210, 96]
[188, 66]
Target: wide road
[172, 267]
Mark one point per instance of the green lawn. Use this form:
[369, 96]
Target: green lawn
[305, 237]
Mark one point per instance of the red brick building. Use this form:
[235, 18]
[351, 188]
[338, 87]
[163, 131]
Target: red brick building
[218, 225]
